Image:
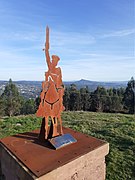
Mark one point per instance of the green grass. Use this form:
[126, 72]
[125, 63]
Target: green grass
[117, 129]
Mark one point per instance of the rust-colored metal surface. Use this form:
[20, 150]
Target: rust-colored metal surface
[51, 96]
[41, 158]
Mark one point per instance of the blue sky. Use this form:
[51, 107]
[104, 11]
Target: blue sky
[93, 38]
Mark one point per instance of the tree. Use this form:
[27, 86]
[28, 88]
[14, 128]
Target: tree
[29, 107]
[129, 95]
[12, 99]
[85, 101]
[98, 99]
[2, 107]
[116, 104]
[37, 102]
[74, 101]
[108, 103]
[66, 98]
[74, 98]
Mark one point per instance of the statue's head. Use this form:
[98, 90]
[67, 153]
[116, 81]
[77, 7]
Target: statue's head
[55, 60]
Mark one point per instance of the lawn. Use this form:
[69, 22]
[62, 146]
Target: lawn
[117, 129]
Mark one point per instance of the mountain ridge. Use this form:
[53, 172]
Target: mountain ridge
[32, 89]
[93, 84]
[76, 82]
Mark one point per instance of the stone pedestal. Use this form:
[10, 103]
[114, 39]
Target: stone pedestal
[23, 157]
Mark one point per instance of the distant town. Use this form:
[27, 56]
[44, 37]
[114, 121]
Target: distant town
[28, 89]
[32, 89]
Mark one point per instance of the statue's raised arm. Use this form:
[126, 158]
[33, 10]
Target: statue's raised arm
[47, 48]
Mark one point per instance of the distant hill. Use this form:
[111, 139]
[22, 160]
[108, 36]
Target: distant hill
[32, 89]
[92, 85]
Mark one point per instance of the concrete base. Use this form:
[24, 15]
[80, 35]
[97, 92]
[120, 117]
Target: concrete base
[22, 158]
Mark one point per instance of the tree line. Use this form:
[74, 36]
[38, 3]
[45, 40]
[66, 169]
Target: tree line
[101, 100]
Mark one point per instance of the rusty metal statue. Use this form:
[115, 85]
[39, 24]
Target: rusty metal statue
[51, 104]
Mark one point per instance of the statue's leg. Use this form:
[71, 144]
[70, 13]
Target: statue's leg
[60, 121]
[46, 127]
[52, 120]
[54, 123]
[42, 131]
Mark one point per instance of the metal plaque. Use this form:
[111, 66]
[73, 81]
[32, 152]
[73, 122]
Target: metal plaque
[61, 141]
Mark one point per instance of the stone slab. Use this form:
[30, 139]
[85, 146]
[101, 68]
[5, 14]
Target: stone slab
[41, 160]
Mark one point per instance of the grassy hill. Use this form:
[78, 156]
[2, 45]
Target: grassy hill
[117, 129]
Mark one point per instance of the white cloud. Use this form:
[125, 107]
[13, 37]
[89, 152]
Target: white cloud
[92, 66]
[71, 38]
[104, 68]
[119, 33]
[77, 62]
[21, 67]
[21, 36]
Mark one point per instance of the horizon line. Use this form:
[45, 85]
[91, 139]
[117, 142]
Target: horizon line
[70, 80]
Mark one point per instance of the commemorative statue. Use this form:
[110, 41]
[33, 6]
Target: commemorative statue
[51, 104]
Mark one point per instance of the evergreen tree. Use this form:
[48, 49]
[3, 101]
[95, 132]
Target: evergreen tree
[110, 92]
[129, 95]
[99, 99]
[66, 98]
[116, 104]
[37, 102]
[114, 101]
[85, 102]
[121, 91]
[108, 103]
[74, 101]
[29, 107]
[74, 98]
[2, 107]
[12, 99]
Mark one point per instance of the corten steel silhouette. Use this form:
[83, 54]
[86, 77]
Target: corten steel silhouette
[51, 104]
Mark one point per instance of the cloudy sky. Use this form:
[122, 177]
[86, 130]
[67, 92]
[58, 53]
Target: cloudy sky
[93, 38]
